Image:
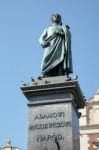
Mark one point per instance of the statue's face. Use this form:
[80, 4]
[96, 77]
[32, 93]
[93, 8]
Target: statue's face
[56, 18]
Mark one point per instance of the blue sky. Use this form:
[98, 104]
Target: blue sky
[21, 24]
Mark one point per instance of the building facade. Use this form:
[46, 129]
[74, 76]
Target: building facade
[89, 124]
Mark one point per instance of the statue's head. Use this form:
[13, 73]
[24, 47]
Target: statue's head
[56, 18]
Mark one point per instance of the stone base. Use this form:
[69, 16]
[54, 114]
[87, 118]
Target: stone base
[49, 124]
[53, 113]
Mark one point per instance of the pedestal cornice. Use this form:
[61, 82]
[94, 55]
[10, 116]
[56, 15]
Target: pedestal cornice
[55, 85]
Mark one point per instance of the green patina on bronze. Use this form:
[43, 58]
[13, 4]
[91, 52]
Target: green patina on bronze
[56, 39]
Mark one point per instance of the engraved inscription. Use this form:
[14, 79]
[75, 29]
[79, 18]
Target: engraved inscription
[50, 125]
[50, 115]
[44, 121]
[49, 137]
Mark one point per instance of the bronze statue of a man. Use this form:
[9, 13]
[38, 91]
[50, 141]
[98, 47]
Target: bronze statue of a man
[56, 39]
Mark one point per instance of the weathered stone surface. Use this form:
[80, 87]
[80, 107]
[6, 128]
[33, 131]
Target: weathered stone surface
[50, 122]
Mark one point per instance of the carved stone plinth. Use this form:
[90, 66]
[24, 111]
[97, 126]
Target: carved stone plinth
[53, 113]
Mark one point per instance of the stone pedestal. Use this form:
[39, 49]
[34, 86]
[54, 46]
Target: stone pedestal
[53, 113]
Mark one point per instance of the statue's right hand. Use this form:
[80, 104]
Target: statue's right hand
[59, 33]
[56, 32]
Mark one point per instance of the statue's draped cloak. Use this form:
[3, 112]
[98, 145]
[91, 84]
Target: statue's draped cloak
[58, 49]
